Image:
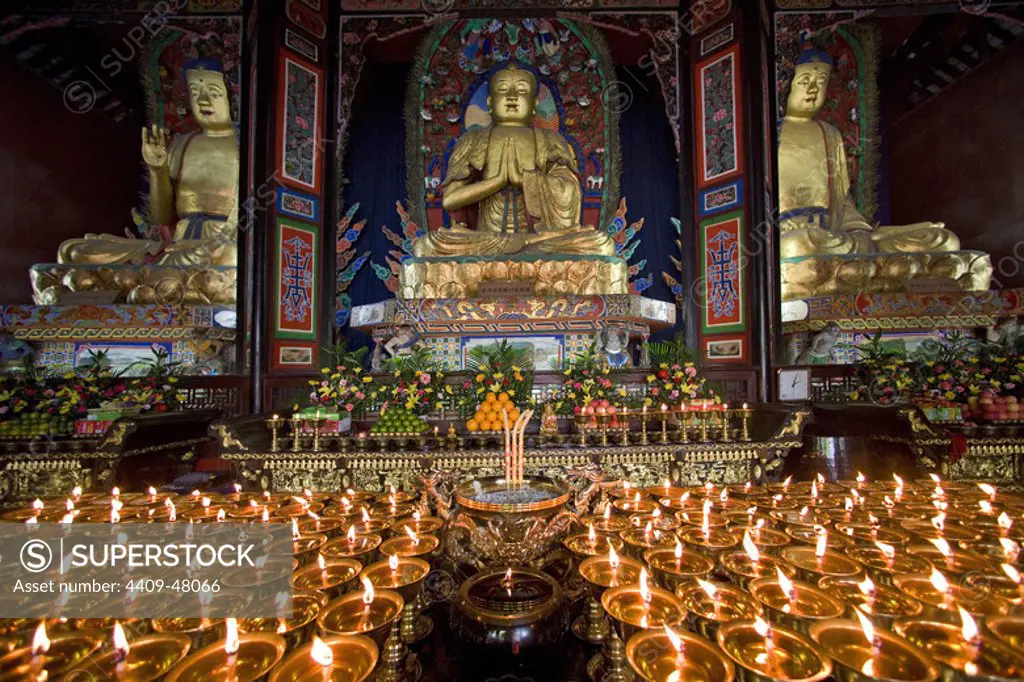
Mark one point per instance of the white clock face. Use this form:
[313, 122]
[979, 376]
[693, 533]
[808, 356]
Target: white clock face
[794, 384]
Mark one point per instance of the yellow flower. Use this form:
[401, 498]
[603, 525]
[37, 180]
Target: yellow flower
[650, 378]
[367, 379]
[480, 378]
[325, 370]
[499, 376]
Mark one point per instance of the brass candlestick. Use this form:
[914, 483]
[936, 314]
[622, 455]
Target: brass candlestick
[705, 425]
[581, 422]
[602, 422]
[317, 421]
[745, 414]
[274, 423]
[643, 427]
[725, 425]
[296, 422]
[624, 428]
[395, 663]
[663, 439]
[684, 436]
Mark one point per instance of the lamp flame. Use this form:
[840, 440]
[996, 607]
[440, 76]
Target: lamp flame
[221, 515]
[296, 535]
[761, 627]
[986, 507]
[751, 549]
[785, 584]
[822, 544]
[206, 502]
[785, 484]
[970, 628]
[68, 518]
[675, 639]
[231, 641]
[613, 558]
[724, 495]
[645, 590]
[40, 642]
[321, 654]
[939, 581]
[988, 489]
[172, 512]
[393, 562]
[1010, 549]
[38, 505]
[866, 626]
[814, 489]
[265, 516]
[320, 562]
[367, 591]
[939, 521]
[76, 491]
[943, 546]
[416, 540]
[1012, 573]
[847, 504]
[351, 534]
[607, 512]
[366, 515]
[866, 587]
[1004, 521]
[709, 589]
[121, 647]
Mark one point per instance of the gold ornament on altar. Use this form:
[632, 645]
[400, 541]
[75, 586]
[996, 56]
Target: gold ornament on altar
[820, 224]
[193, 213]
[522, 186]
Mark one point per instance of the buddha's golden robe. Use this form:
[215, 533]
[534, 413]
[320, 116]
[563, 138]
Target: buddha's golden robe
[817, 214]
[542, 215]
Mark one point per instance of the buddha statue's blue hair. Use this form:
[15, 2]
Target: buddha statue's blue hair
[206, 64]
[815, 56]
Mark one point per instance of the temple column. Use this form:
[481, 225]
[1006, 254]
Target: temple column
[288, 203]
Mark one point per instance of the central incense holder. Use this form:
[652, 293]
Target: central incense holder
[510, 610]
[497, 523]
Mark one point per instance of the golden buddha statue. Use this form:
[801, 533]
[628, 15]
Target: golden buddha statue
[193, 188]
[816, 213]
[520, 182]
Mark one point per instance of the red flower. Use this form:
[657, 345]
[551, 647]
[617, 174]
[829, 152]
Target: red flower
[663, 374]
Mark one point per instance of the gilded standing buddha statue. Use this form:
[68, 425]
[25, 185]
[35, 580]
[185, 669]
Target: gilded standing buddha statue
[519, 188]
[193, 188]
[818, 219]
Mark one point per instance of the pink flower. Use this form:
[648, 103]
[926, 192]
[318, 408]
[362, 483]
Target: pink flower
[360, 395]
[349, 407]
[691, 371]
[425, 378]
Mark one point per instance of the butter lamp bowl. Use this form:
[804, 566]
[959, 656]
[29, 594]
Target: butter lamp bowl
[853, 659]
[355, 657]
[795, 656]
[653, 657]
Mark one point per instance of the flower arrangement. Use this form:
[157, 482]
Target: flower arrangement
[344, 387]
[588, 384]
[418, 386]
[497, 383]
[883, 373]
[674, 377]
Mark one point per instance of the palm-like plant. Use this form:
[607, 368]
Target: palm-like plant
[496, 357]
[671, 352]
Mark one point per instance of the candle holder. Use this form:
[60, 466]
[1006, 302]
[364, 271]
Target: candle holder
[603, 419]
[351, 547]
[657, 656]
[781, 655]
[583, 545]
[711, 544]
[1007, 629]
[710, 605]
[354, 658]
[306, 606]
[296, 423]
[609, 525]
[886, 657]
[67, 650]
[741, 569]
[767, 540]
[867, 534]
[808, 535]
[274, 424]
[403, 575]
[396, 665]
[663, 438]
[632, 612]
[581, 428]
[601, 572]
[882, 604]
[349, 614]
[659, 521]
[424, 525]
[333, 579]
[639, 540]
[745, 414]
[797, 608]
[149, 658]
[317, 424]
[810, 567]
[958, 562]
[257, 654]
[202, 631]
[644, 416]
[704, 418]
[725, 436]
[942, 605]
[406, 546]
[985, 659]
[671, 568]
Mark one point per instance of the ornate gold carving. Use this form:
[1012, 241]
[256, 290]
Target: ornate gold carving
[917, 421]
[794, 425]
[228, 441]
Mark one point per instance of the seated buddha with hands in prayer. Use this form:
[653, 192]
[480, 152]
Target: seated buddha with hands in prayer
[520, 180]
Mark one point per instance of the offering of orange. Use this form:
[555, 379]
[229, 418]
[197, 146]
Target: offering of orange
[488, 416]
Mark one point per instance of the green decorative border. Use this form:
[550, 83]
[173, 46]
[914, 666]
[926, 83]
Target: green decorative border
[591, 37]
[740, 326]
[315, 231]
